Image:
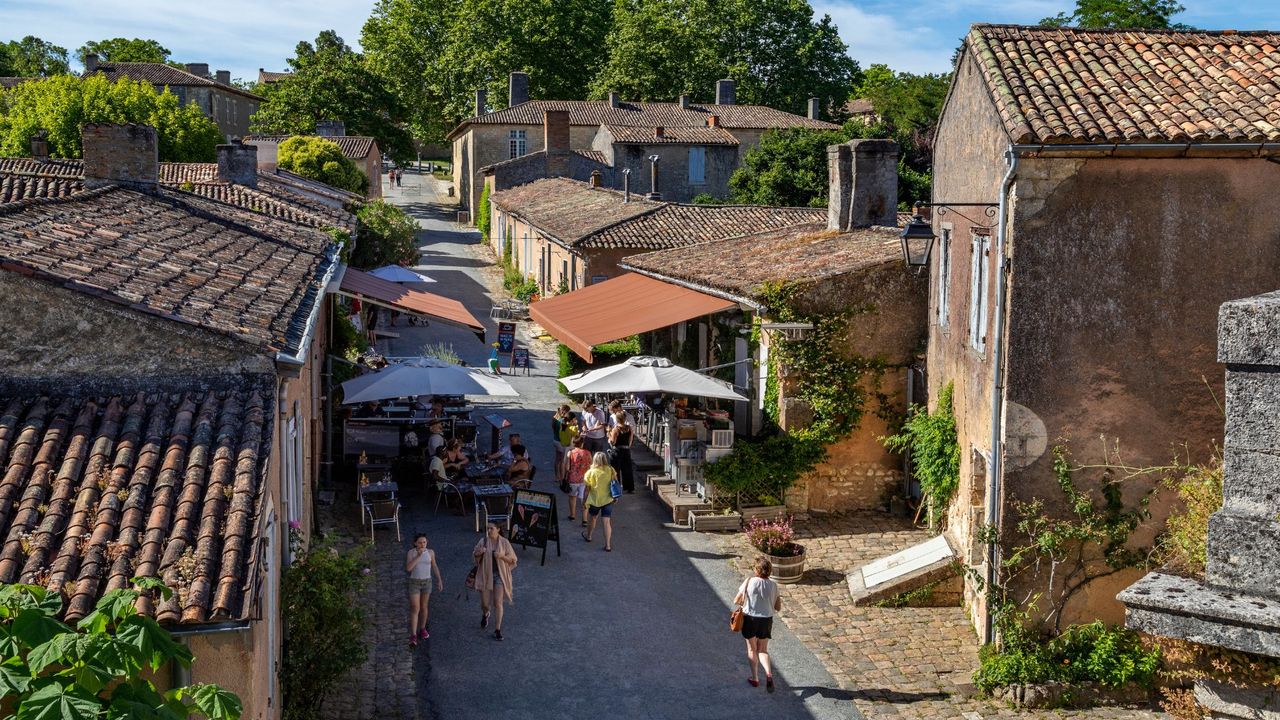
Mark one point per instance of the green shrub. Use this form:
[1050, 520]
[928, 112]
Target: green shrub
[322, 160]
[1183, 547]
[930, 438]
[1096, 652]
[385, 236]
[763, 469]
[482, 213]
[605, 354]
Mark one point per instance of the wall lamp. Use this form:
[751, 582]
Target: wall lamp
[917, 236]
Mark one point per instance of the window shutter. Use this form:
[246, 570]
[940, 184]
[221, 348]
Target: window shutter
[697, 165]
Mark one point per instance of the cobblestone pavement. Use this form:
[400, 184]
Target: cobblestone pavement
[897, 663]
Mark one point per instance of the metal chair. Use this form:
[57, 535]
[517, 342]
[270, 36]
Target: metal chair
[525, 483]
[383, 512]
[442, 491]
[485, 514]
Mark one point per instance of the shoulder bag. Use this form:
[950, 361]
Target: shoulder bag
[615, 487]
[471, 577]
[735, 620]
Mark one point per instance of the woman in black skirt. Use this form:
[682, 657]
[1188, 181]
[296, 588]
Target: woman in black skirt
[759, 599]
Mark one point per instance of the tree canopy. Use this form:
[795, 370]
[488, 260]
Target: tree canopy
[60, 105]
[321, 159]
[124, 50]
[332, 81]
[1095, 14]
[32, 57]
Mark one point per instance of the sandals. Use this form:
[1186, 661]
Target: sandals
[497, 635]
[608, 549]
[584, 537]
[413, 641]
[768, 683]
[753, 682]
[484, 620]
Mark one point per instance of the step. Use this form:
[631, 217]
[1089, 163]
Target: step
[931, 562]
[680, 504]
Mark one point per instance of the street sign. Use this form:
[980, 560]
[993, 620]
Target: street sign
[534, 521]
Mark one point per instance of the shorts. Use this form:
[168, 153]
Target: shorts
[606, 511]
[418, 587]
[578, 490]
[757, 627]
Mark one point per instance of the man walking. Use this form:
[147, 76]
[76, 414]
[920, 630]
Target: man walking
[594, 424]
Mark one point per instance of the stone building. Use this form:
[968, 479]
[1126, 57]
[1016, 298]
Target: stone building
[229, 106]
[690, 138]
[359, 149]
[1129, 176]
[567, 234]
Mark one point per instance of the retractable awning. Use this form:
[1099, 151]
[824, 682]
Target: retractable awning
[620, 307]
[357, 283]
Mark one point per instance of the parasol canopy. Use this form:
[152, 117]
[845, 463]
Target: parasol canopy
[644, 373]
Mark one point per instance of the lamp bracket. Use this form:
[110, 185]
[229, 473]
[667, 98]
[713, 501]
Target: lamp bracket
[988, 209]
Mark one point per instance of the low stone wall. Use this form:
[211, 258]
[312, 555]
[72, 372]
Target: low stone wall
[833, 487]
[1068, 695]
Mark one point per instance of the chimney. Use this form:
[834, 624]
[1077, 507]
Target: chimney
[653, 178]
[713, 121]
[331, 128]
[626, 185]
[726, 92]
[40, 146]
[268, 153]
[238, 163]
[555, 131]
[658, 133]
[125, 154]
[864, 184]
[482, 99]
[518, 89]
[199, 69]
[596, 177]
[815, 108]
[684, 102]
[614, 99]
[223, 76]
[90, 62]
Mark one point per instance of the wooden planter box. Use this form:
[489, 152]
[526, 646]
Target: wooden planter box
[714, 521]
[762, 512]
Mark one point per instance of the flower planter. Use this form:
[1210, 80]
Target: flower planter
[762, 512]
[788, 569]
[714, 521]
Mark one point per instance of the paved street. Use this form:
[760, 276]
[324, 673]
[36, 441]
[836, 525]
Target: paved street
[637, 633]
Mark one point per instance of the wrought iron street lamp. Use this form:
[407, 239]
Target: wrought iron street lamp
[917, 236]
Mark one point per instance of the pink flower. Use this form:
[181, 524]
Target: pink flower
[366, 571]
[295, 525]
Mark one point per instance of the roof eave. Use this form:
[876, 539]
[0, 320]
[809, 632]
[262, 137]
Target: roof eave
[697, 287]
[291, 364]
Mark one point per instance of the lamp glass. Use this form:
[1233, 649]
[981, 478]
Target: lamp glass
[917, 242]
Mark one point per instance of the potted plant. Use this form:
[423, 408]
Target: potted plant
[776, 539]
[712, 520]
[767, 507]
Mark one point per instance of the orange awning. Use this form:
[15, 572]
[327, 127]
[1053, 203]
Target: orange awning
[384, 292]
[618, 308]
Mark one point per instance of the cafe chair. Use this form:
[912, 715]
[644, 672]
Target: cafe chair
[495, 509]
[442, 492]
[383, 512]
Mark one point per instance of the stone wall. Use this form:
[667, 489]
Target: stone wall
[673, 170]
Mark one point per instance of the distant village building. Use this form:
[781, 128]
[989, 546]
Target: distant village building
[360, 149]
[698, 145]
[229, 107]
[266, 77]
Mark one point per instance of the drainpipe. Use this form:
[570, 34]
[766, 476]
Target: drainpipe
[181, 674]
[994, 464]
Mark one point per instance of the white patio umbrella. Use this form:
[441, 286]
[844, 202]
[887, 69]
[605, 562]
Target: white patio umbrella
[396, 273]
[649, 374]
[423, 376]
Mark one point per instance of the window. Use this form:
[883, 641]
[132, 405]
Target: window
[979, 280]
[697, 165]
[518, 142]
[944, 275]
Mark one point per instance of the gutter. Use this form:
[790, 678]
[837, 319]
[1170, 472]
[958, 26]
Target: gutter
[210, 629]
[1112, 149]
[298, 359]
[753, 304]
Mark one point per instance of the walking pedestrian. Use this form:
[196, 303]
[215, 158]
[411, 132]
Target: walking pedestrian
[577, 461]
[421, 566]
[399, 178]
[558, 420]
[593, 426]
[759, 599]
[621, 435]
[495, 559]
[600, 498]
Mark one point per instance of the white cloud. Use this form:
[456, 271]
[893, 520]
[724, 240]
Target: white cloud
[885, 38]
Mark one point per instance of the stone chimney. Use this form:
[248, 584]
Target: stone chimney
[223, 76]
[614, 99]
[90, 62]
[654, 194]
[713, 121]
[198, 69]
[518, 89]
[125, 154]
[555, 141]
[40, 146]
[331, 128]
[658, 133]
[726, 92]
[863, 184]
[815, 108]
[268, 153]
[684, 102]
[596, 178]
[482, 100]
[238, 163]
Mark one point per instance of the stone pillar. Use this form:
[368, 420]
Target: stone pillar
[839, 185]
[238, 163]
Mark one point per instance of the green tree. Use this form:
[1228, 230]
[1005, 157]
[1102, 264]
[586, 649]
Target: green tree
[777, 51]
[321, 159]
[100, 668]
[32, 57]
[124, 50]
[789, 168]
[404, 42]
[385, 236]
[60, 105]
[330, 81]
[1094, 14]
[904, 101]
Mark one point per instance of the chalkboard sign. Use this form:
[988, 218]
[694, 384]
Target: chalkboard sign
[373, 438]
[520, 358]
[506, 337]
[534, 521]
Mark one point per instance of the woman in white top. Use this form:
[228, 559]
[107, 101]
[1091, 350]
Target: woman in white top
[759, 599]
[421, 565]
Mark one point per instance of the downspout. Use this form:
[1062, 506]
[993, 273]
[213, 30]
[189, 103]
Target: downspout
[994, 463]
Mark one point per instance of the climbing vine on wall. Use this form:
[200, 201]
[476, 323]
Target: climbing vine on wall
[930, 438]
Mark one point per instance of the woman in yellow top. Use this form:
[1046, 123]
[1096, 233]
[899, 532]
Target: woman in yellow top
[599, 498]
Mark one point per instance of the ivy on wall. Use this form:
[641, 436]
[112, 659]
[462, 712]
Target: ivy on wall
[930, 438]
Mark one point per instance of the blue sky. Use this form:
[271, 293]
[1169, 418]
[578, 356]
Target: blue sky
[243, 35]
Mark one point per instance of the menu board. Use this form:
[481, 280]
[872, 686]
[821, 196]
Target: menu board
[520, 358]
[534, 521]
[506, 337]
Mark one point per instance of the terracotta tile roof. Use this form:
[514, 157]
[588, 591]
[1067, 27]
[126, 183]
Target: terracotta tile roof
[14, 187]
[164, 75]
[859, 106]
[671, 136]
[1060, 85]
[569, 210]
[592, 155]
[303, 184]
[173, 173]
[267, 76]
[539, 156]
[96, 491]
[53, 167]
[356, 147]
[803, 254]
[12, 82]
[645, 114]
[177, 256]
[673, 226]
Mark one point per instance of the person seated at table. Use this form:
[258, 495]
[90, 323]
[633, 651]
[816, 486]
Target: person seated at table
[437, 408]
[421, 406]
[455, 459]
[437, 471]
[370, 409]
[517, 475]
[436, 440]
[504, 455]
